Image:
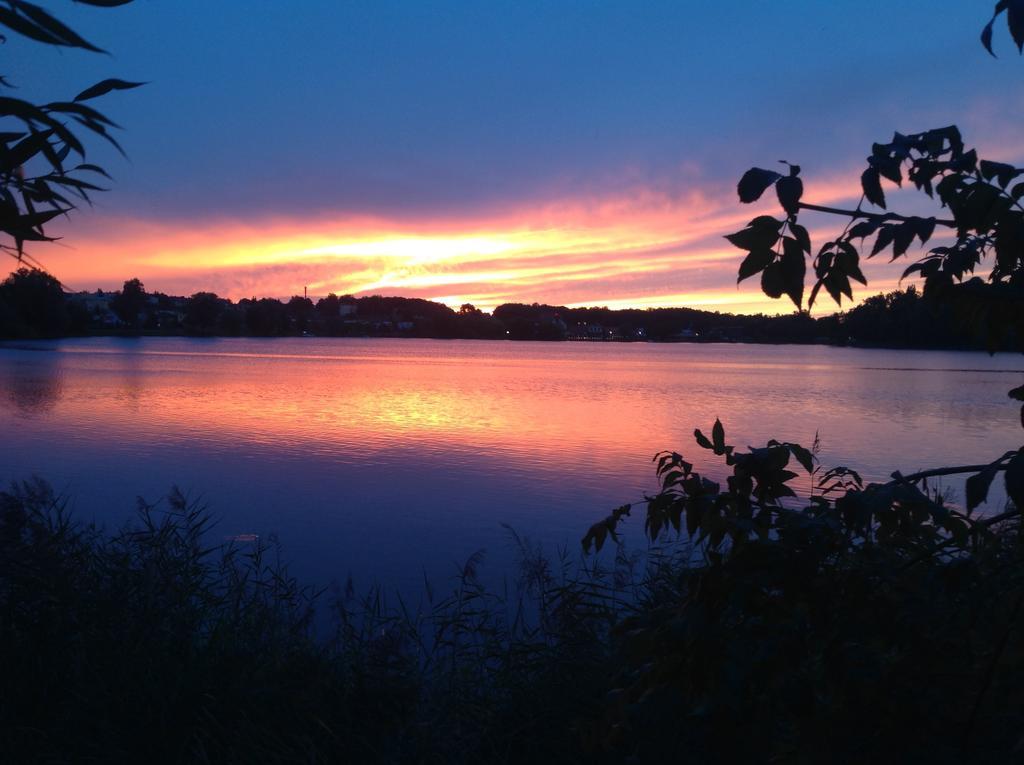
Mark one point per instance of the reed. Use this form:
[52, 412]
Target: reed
[148, 644]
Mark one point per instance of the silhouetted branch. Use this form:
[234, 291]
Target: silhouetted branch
[914, 477]
[993, 520]
[869, 215]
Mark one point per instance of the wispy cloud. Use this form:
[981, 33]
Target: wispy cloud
[643, 247]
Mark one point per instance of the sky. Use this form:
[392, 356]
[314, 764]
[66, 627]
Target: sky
[567, 152]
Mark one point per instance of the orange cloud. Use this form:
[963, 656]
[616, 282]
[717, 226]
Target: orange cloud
[642, 248]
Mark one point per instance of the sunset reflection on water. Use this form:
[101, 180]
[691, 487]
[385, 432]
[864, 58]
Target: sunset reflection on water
[382, 456]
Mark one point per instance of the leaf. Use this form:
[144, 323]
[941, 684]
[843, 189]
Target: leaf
[773, 284]
[803, 456]
[814, 293]
[718, 436]
[976, 487]
[1001, 171]
[77, 183]
[104, 87]
[982, 202]
[754, 183]
[595, 536]
[793, 267]
[754, 237]
[848, 262]
[986, 37]
[801, 236]
[864, 229]
[1015, 479]
[837, 286]
[94, 169]
[702, 440]
[884, 239]
[789, 190]
[65, 34]
[37, 219]
[925, 229]
[903, 236]
[1015, 20]
[755, 262]
[889, 168]
[766, 221]
[23, 26]
[24, 150]
[31, 114]
[966, 162]
[83, 114]
[871, 182]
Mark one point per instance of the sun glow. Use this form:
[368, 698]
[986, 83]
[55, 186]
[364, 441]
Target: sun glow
[640, 250]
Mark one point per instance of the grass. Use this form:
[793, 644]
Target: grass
[145, 645]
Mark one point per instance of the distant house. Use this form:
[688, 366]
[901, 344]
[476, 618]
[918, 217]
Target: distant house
[97, 305]
[93, 301]
[347, 306]
[726, 335]
[577, 331]
[581, 331]
[166, 319]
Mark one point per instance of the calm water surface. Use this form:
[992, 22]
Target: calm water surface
[387, 458]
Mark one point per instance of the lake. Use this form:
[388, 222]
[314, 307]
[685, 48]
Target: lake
[390, 458]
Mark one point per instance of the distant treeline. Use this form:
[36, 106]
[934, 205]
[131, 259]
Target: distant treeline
[34, 305]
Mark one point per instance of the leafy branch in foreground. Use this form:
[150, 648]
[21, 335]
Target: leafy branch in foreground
[793, 611]
[759, 502]
[857, 620]
[43, 167]
[987, 223]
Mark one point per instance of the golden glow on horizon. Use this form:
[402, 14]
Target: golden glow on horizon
[640, 250]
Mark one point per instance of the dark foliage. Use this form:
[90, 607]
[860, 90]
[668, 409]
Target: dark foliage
[897, 319]
[130, 302]
[844, 622]
[987, 224]
[868, 622]
[43, 168]
[149, 645]
[32, 304]
[904, 320]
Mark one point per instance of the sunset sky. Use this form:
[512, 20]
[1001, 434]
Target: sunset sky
[579, 153]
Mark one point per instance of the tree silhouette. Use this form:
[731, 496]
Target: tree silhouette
[130, 302]
[32, 304]
[202, 312]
